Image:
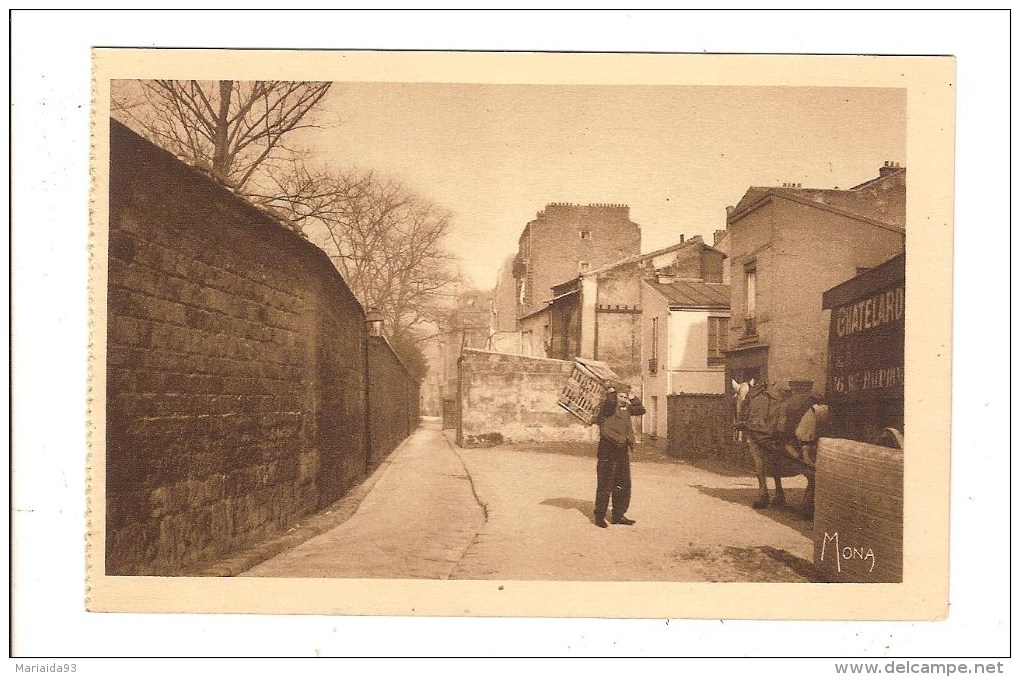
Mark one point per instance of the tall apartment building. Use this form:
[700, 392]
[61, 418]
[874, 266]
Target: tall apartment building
[565, 240]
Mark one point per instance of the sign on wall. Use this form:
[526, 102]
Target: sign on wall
[866, 344]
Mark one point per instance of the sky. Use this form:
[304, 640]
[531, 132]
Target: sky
[494, 155]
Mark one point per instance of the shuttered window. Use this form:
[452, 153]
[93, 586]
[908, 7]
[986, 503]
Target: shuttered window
[655, 338]
[751, 298]
[751, 288]
[718, 329]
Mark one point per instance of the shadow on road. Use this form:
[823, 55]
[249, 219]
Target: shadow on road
[586, 508]
[641, 453]
[789, 515]
[800, 565]
[719, 467]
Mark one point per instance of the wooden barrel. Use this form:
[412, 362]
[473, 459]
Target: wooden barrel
[858, 512]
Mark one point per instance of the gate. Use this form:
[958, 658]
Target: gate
[701, 426]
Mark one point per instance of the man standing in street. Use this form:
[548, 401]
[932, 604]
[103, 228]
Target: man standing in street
[616, 438]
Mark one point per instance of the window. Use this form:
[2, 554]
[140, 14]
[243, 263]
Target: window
[653, 358]
[585, 234]
[718, 329]
[582, 266]
[750, 298]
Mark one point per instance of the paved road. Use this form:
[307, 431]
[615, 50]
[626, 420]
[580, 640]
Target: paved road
[503, 513]
[692, 525]
[416, 522]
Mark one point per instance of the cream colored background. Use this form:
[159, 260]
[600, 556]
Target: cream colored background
[50, 73]
[923, 594]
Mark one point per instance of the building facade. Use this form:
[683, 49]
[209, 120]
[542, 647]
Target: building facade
[567, 239]
[534, 334]
[467, 324]
[787, 246]
[598, 315]
[684, 333]
[504, 301]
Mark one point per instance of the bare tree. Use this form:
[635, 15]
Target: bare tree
[387, 243]
[237, 130]
[306, 195]
[383, 239]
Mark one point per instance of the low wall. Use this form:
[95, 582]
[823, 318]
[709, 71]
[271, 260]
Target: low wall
[701, 426]
[511, 399]
[858, 523]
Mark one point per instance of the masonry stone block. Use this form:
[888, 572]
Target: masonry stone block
[227, 336]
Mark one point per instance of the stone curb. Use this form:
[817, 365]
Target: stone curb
[315, 525]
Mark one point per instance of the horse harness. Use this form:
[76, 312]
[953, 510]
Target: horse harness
[772, 421]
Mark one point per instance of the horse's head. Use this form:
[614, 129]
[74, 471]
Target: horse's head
[740, 391]
[821, 414]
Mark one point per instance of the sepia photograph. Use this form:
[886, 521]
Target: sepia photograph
[438, 334]
[493, 319]
[462, 331]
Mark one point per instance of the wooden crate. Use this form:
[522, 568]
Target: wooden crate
[586, 389]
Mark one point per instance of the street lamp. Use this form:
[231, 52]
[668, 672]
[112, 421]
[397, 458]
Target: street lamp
[374, 320]
[373, 325]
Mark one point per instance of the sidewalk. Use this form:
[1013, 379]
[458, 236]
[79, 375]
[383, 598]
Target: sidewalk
[416, 522]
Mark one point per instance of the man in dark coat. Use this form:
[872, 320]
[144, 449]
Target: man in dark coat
[616, 438]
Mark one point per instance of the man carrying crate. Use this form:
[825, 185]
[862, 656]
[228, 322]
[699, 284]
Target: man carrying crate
[616, 438]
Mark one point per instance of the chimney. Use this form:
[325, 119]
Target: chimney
[718, 235]
[888, 168]
[681, 238]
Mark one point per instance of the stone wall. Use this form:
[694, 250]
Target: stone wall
[236, 398]
[701, 426]
[508, 399]
[394, 400]
[551, 248]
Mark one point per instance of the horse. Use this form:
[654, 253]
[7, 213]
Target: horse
[782, 430]
[740, 390]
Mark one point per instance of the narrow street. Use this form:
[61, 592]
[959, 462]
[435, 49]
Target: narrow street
[522, 513]
[416, 522]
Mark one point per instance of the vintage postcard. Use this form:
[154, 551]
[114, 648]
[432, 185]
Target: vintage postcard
[521, 334]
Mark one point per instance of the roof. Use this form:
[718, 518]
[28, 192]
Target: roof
[560, 296]
[635, 258]
[533, 313]
[684, 294]
[861, 201]
[562, 288]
